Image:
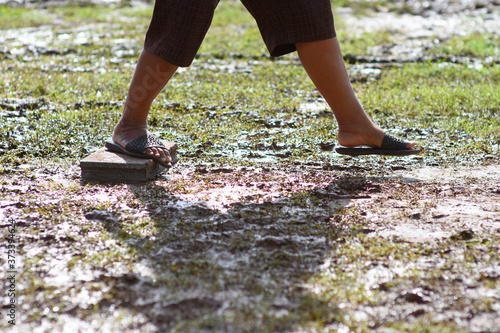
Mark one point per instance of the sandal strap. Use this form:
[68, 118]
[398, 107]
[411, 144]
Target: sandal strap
[144, 142]
[390, 142]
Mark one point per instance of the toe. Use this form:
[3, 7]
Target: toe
[411, 145]
[165, 155]
[156, 152]
[149, 151]
[161, 153]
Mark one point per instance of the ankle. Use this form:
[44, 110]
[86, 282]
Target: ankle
[128, 124]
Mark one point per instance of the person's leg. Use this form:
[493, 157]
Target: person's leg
[325, 66]
[151, 75]
[173, 38]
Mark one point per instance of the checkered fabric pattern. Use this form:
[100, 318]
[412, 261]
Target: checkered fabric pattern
[178, 27]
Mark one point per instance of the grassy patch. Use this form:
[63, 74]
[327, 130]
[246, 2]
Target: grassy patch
[231, 81]
[454, 99]
[477, 45]
[13, 17]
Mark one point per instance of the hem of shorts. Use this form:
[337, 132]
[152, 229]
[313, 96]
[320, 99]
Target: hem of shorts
[168, 59]
[279, 50]
[289, 47]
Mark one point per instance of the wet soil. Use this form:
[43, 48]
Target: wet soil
[215, 240]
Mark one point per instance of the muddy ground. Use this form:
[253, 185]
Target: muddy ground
[386, 246]
[367, 251]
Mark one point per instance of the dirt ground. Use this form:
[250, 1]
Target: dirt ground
[393, 246]
[454, 199]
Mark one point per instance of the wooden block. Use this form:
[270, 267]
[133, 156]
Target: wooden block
[110, 167]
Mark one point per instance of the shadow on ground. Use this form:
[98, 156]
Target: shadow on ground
[239, 268]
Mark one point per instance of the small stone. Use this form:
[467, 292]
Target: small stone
[417, 295]
[101, 215]
[463, 235]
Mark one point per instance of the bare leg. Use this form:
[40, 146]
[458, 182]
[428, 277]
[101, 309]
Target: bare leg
[151, 75]
[324, 63]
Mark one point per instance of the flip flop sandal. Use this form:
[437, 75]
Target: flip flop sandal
[391, 146]
[136, 147]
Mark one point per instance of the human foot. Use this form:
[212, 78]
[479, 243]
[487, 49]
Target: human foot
[125, 133]
[373, 137]
[379, 143]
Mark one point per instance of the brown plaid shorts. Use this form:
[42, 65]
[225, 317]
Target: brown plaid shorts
[178, 27]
